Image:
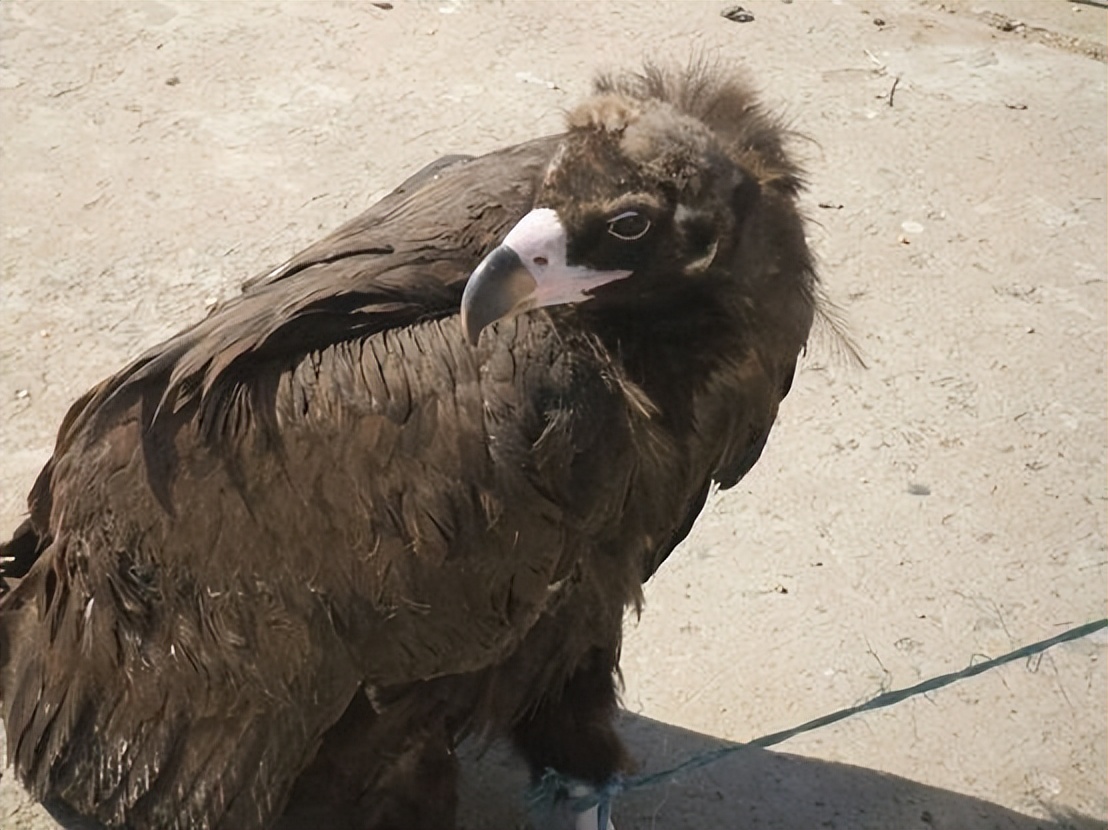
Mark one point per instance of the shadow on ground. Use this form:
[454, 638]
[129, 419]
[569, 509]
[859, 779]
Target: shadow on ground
[754, 789]
[751, 790]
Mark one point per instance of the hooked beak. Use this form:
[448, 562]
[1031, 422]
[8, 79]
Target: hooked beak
[528, 270]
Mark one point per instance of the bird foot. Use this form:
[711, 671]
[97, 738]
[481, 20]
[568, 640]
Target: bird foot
[591, 818]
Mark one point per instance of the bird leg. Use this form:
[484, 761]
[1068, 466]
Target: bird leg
[571, 731]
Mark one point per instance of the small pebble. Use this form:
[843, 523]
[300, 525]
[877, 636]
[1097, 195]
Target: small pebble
[530, 78]
[737, 14]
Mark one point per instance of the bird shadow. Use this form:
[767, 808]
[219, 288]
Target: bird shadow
[754, 789]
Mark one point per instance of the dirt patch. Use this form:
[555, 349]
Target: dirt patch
[946, 503]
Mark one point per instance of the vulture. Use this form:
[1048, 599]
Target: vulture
[402, 489]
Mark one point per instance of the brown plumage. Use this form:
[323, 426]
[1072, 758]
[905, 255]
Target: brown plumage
[281, 562]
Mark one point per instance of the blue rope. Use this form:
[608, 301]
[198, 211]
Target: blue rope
[554, 787]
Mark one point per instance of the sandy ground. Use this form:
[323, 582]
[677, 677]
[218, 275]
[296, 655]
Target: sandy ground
[947, 503]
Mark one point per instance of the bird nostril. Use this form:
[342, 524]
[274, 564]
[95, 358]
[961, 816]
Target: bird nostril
[540, 260]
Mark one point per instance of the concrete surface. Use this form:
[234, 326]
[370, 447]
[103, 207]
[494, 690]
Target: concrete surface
[946, 503]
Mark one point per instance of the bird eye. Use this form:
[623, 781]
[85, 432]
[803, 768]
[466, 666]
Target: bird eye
[628, 226]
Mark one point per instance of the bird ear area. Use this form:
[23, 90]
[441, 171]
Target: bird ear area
[702, 230]
[744, 196]
[701, 240]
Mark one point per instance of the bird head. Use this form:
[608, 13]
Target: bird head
[638, 200]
